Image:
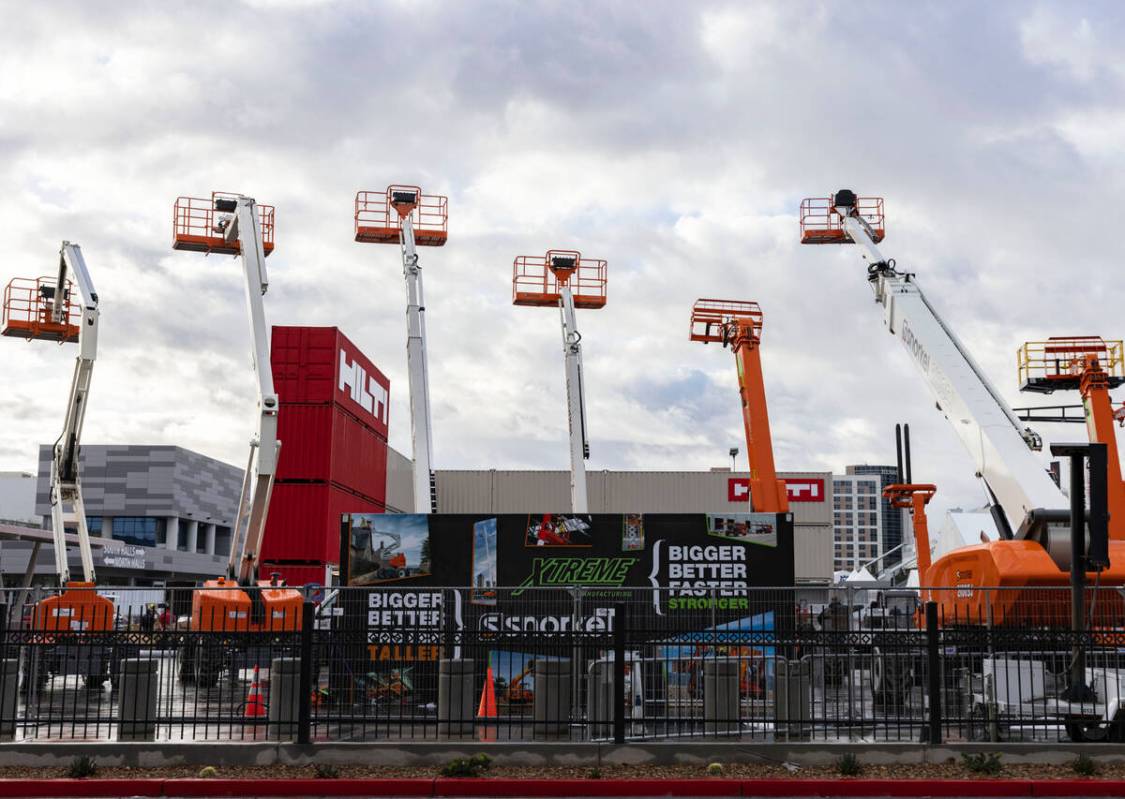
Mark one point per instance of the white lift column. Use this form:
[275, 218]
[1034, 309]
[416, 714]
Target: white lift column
[66, 488]
[257, 486]
[575, 401]
[425, 496]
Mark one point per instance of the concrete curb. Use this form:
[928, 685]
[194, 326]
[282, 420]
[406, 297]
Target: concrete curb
[441, 788]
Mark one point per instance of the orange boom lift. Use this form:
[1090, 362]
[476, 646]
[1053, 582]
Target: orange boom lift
[738, 325]
[233, 224]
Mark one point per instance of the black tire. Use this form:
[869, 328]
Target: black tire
[1096, 731]
[186, 665]
[208, 667]
[892, 676]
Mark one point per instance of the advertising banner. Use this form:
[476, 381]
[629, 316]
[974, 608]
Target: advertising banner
[688, 565]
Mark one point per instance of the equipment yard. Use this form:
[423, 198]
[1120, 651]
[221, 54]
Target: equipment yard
[317, 516]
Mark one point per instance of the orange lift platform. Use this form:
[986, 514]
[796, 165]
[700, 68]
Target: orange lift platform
[28, 311]
[537, 280]
[198, 224]
[822, 223]
[379, 215]
[738, 324]
[1092, 366]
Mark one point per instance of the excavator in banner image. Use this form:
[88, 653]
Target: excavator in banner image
[46, 309]
[1030, 547]
[233, 224]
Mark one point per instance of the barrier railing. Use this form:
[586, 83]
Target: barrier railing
[576, 664]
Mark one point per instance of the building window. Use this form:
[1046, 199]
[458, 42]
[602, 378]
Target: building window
[94, 525]
[142, 531]
[222, 540]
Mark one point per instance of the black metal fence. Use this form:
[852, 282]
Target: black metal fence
[578, 664]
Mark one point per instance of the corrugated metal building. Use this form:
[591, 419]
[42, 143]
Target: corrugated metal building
[512, 491]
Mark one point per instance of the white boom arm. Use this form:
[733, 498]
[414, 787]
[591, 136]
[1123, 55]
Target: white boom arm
[257, 483]
[575, 401]
[66, 488]
[425, 493]
[1027, 499]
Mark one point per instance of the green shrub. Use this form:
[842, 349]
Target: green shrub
[594, 774]
[849, 765]
[80, 767]
[325, 771]
[715, 769]
[982, 763]
[474, 766]
[1085, 766]
[208, 772]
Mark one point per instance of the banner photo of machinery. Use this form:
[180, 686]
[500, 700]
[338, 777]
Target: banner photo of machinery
[433, 577]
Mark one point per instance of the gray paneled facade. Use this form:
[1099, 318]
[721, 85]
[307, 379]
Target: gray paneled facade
[168, 512]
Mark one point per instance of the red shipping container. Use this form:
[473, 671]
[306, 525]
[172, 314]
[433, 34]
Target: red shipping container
[320, 365]
[325, 443]
[294, 574]
[304, 521]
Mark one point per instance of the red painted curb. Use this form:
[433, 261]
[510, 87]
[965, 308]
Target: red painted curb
[504, 788]
[193, 788]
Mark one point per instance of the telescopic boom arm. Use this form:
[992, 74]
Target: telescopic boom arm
[66, 488]
[257, 484]
[425, 493]
[1026, 501]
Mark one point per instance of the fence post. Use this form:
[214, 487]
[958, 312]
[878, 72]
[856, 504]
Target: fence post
[305, 687]
[9, 681]
[620, 620]
[933, 670]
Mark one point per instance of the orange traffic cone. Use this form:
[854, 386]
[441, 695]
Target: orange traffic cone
[487, 709]
[255, 705]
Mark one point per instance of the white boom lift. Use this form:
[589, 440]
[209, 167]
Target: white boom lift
[1026, 503]
[427, 216]
[564, 278]
[66, 487]
[234, 224]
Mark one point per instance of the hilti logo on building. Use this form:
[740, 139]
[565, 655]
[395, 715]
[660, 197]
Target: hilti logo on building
[800, 489]
[363, 388]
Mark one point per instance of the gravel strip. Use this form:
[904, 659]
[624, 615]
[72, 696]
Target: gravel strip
[950, 770]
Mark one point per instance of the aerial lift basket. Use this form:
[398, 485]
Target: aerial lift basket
[821, 223]
[1058, 363]
[711, 320]
[537, 279]
[27, 310]
[378, 216]
[194, 224]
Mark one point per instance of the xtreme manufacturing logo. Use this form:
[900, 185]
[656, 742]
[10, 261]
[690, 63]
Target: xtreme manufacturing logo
[595, 572]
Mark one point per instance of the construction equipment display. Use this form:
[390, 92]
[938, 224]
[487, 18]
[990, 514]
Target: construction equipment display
[234, 224]
[738, 325]
[405, 216]
[46, 309]
[1031, 513]
[1092, 366]
[564, 279]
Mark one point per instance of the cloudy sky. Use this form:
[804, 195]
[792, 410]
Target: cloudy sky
[673, 139]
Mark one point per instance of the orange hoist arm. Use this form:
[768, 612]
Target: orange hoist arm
[915, 496]
[1100, 417]
[738, 325]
